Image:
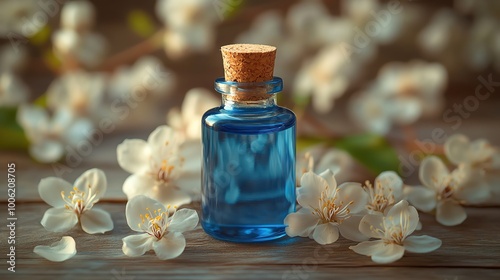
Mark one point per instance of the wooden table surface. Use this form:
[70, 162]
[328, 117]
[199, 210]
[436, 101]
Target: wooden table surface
[470, 250]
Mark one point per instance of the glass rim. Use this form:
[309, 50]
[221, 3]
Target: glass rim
[227, 87]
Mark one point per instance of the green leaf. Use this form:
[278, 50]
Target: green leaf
[41, 101]
[12, 135]
[303, 143]
[141, 23]
[373, 151]
[227, 8]
[42, 36]
[50, 59]
[301, 100]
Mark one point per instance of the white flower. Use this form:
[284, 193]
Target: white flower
[479, 155]
[394, 232]
[49, 136]
[416, 81]
[324, 78]
[361, 12]
[445, 191]
[401, 94]
[79, 91]
[386, 191]
[148, 76]
[186, 121]
[184, 13]
[161, 228]
[74, 204]
[161, 168]
[442, 33]
[77, 15]
[16, 18]
[190, 26]
[75, 43]
[13, 92]
[183, 41]
[305, 21]
[71, 47]
[377, 113]
[59, 251]
[318, 159]
[327, 209]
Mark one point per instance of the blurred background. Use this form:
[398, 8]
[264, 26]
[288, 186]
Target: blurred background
[384, 81]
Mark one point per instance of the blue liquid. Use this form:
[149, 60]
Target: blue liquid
[248, 172]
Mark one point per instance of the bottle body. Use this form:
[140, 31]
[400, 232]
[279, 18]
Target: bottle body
[248, 181]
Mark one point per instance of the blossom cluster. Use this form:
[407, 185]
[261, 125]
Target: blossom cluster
[382, 210]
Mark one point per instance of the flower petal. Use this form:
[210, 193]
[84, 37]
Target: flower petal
[471, 186]
[183, 220]
[424, 199]
[47, 151]
[96, 221]
[301, 223]
[372, 225]
[421, 244]
[190, 183]
[59, 219]
[137, 245]
[59, 251]
[166, 193]
[433, 172]
[325, 233]
[388, 253]
[34, 120]
[456, 148]
[329, 177]
[170, 246]
[190, 151]
[160, 136]
[403, 214]
[136, 185]
[138, 206]
[133, 156]
[92, 181]
[349, 229]
[352, 192]
[311, 186]
[450, 213]
[391, 183]
[368, 248]
[50, 190]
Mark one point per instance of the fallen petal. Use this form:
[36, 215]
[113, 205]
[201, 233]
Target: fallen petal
[58, 251]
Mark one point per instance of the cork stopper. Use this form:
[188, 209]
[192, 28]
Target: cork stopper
[247, 63]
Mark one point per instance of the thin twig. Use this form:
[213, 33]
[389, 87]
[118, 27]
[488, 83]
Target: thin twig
[149, 45]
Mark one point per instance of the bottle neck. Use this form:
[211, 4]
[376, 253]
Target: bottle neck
[229, 102]
[254, 95]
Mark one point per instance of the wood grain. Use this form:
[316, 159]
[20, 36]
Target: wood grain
[470, 248]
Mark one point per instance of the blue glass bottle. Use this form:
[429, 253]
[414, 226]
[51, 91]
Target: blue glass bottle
[248, 184]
